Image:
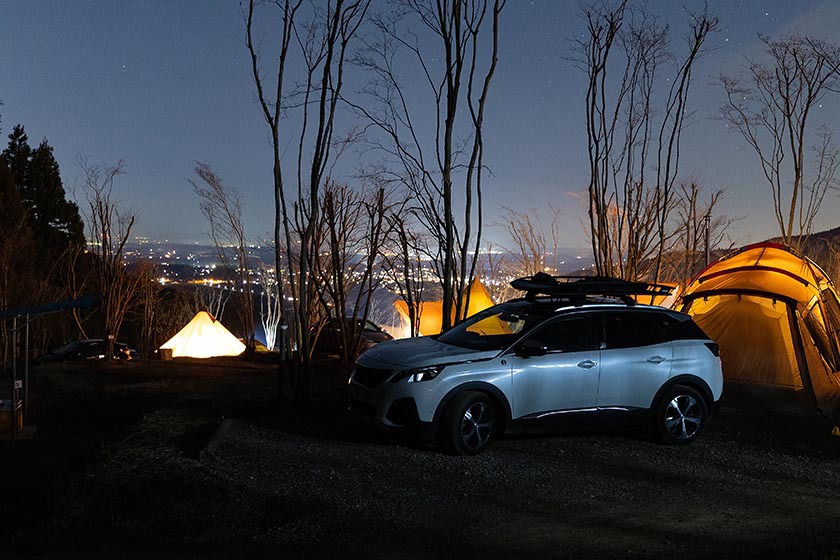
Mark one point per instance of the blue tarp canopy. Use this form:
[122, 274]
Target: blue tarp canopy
[81, 303]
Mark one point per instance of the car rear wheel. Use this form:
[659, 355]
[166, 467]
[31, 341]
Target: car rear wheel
[469, 423]
[680, 416]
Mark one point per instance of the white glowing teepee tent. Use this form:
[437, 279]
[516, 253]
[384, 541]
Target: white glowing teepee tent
[204, 337]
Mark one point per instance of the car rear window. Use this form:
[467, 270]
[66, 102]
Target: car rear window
[677, 329]
[629, 329]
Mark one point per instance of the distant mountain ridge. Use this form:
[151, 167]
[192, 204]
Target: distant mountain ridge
[823, 248]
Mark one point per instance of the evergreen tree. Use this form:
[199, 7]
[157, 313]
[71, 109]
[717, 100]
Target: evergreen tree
[17, 155]
[55, 222]
[14, 241]
[41, 235]
[9, 199]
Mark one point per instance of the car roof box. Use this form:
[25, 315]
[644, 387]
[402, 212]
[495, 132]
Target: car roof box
[577, 288]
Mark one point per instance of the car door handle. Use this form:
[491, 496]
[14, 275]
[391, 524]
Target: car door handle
[656, 359]
[586, 364]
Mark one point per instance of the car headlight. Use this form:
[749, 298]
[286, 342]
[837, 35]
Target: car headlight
[425, 373]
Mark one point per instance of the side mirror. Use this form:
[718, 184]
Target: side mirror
[531, 347]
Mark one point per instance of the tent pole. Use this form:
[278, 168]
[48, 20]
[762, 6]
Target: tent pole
[26, 372]
[707, 218]
[12, 403]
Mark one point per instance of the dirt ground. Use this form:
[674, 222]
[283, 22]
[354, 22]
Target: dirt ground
[196, 459]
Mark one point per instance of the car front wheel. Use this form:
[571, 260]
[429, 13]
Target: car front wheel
[469, 423]
[680, 416]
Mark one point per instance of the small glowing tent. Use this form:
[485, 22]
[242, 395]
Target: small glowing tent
[431, 312]
[775, 315]
[204, 337]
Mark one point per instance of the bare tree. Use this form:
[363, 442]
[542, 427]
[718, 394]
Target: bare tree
[403, 260]
[210, 298]
[271, 304]
[109, 229]
[497, 274]
[533, 249]
[322, 47]
[222, 207]
[77, 282]
[631, 128]
[446, 49]
[149, 298]
[696, 223]
[175, 308]
[354, 227]
[826, 252]
[771, 107]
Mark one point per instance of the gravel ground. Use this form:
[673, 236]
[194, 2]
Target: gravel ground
[192, 460]
[739, 491]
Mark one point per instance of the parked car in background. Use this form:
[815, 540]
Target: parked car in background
[330, 334]
[577, 353]
[89, 349]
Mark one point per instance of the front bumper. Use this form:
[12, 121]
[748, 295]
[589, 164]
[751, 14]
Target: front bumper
[401, 417]
[391, 406]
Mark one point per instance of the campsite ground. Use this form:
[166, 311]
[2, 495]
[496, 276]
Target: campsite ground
[194, 459]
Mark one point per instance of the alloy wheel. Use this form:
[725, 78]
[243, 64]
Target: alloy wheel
[683, 417]
[477, 425]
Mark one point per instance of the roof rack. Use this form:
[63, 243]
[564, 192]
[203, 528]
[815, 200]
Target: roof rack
[576, 288]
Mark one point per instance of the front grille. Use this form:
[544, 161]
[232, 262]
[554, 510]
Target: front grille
[370, 377]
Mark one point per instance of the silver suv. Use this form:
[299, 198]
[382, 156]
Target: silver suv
[557, 359]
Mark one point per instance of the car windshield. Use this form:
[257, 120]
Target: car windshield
[495, 328]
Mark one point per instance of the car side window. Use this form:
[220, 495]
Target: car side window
[568, 334]
[630, 330]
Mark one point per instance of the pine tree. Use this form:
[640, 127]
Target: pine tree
[55, 222]
[17, 155]
[41, 234]
[14, 240]
[9, 199]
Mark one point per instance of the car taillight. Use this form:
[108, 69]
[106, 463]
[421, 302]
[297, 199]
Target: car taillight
[713, 348]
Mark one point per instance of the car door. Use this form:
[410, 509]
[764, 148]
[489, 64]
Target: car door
[635, 361]
[565, 376]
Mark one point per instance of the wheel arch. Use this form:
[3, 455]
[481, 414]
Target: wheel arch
[496, 395]
[693, 381]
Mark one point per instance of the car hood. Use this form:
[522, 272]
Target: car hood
[376, 336]
[418, 352]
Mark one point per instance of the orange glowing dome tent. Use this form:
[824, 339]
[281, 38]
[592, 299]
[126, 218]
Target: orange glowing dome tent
[776, 316]
[431, 312]
[204, 337]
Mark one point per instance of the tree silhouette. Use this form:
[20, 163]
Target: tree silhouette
[770, 105]
[17, 154]
[55, 222]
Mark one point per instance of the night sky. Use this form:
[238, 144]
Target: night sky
[163, 84]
